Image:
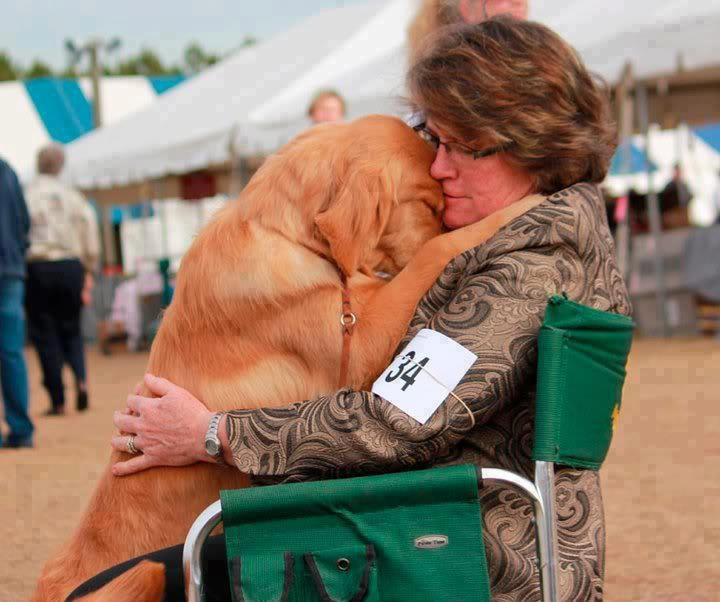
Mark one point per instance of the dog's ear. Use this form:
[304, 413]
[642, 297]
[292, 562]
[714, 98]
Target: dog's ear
[356, 216]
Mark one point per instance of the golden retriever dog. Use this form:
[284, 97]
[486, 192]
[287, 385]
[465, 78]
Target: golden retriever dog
[255, 320]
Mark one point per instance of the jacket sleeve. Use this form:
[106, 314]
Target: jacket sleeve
[89, 235]
[23, 211]
[496, 314]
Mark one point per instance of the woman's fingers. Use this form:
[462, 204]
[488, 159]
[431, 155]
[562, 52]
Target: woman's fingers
[126, 423]
[138, 403]
[158, 386]
[133, 465]
[120, 443]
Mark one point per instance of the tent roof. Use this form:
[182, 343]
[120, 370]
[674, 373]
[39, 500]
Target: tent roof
[710, 134]
[255, 100]
[34, 112]
[271, 82]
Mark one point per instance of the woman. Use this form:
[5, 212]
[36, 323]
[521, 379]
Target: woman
[512, 112]
[434, 14]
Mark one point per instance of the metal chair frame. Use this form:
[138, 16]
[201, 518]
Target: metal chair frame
[542, 493]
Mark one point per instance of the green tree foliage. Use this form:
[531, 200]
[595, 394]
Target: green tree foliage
[146, 62]
[248, 40]
[38, 69]
[196, 58]
[8, 69]
[70, 72]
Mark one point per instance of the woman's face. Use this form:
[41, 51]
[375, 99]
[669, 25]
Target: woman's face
[327, 109]
[475, 188]
[476, 11]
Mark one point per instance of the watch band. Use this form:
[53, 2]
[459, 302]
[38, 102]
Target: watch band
[211, 434]
[213, 426]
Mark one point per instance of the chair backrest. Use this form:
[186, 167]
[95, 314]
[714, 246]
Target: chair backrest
[582, 354]
[413, 535]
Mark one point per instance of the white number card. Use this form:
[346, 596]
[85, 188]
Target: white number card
[423, 375]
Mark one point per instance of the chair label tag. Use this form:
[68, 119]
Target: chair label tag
[424, 374]
[431, 542]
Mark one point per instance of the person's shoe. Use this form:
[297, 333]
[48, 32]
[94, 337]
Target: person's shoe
[55, 411]
[82, 401]
[19, 443]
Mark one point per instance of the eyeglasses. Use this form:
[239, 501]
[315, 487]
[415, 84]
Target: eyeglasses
[456, 148]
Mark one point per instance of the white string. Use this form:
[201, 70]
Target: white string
[444, 386]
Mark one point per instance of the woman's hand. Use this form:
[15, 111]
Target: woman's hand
[169, 430]
[86, 294]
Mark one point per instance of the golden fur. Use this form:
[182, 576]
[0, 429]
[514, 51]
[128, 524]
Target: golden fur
[255, 317]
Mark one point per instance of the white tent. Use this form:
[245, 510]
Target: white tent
[34, 112]
[255, 100]
[650, 33]
[255, 97]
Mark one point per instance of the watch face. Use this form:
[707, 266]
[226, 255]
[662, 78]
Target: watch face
[212, 447]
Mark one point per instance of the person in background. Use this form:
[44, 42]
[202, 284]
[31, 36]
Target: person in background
[434, 14]
[674, 201]
[327, 106]
[14, 227]
[63, 253]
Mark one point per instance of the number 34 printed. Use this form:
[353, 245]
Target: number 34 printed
[408, 370]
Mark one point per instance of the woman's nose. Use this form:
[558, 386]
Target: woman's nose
[442, 167]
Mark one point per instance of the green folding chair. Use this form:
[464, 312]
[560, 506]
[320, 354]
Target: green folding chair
[418, 535]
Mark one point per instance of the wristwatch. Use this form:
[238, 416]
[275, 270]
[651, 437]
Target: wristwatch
[213, 447]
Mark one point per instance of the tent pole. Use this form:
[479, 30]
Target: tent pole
[236, 180]
[625, 118]
[107, 235]
[161, 198]
[653, 213]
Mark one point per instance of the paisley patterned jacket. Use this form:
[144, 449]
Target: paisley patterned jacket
[490, 299]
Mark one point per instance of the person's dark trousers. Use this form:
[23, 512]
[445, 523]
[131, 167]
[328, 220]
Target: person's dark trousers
[54, 304]
[215, 573]
[13, 371]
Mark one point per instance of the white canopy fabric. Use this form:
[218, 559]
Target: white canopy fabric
[35, 112]
[255, 100]
[256, 97]
[650, 33]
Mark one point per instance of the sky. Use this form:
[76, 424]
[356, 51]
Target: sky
[32, 29]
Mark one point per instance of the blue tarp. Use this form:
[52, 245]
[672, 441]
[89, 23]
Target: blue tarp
[64, 110]
[162, 84]
[62, 107]
[710, 134]
[118, 213]
[637, 161]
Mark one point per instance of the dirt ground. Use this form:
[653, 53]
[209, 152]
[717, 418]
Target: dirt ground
[661, 484]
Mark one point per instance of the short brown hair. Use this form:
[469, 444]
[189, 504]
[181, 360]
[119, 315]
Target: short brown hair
[322, 95]
[517, 83]
[51, 159]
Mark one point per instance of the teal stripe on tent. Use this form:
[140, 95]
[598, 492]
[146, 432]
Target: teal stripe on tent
[637, 162]
[710, 134]
[163, 83]
[62, 106]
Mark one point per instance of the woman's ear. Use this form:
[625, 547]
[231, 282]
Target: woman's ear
[355, 219]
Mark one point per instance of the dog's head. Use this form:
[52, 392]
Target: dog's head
[360, 191]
